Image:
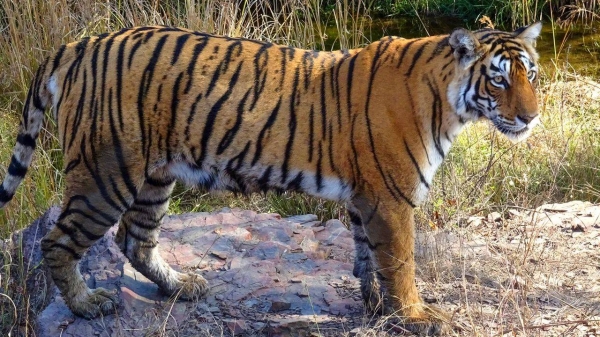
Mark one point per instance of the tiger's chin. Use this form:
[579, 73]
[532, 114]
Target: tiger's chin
[517, 136]
[515, 133]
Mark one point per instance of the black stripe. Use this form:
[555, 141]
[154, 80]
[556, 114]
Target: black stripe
[190, 118]
[78, 111]
[236, 162]
[451, 61]
[283, 64]
[349, 84]
[224, 65]
[148, 226]
[95, 174]
[173, 122]
[16, 168]
[146, 82]
[179, 43]
[26, 140]
[311, 132]
[322, 95]
[296, 183]
[117, 191]
[364, 239]
[57, 58]
[404, 50]
[308, 65]
[439, 48]
[261, 61]
[74, 254]
[331, 147]
[264, 180]
[87, 216]
[169, 29]
[240, 183]
[119, 75]
[123, 167]
[231, 132]
[414, 161]
[380, 276]
[71, 233]
[416, 57]
[291, 126]
[319, 173]
[135, 47]
[156, 202]
[151, 243]
[91, 207]
[335, 89]
[4, 195]
[263, 131]
[398, 191]
[436, 113]
[418, 128]
[73, 163]
[198, 47]
[212, 114]
[355, 218]
[148, 213]
[148, 36]
[37, 102]
[158, 183]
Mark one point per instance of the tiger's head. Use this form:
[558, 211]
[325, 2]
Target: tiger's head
[497, 74]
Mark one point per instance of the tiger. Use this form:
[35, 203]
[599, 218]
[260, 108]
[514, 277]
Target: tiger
[141, 108]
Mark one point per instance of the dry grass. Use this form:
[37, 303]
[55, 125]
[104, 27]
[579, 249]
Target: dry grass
[484, 172]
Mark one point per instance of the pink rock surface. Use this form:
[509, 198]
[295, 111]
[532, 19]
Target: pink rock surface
[268, 276]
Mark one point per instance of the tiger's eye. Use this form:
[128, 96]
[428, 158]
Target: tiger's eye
[498, 79]
[531, 75]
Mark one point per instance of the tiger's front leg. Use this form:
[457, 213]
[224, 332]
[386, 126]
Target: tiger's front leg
[365, 266]
[388, 281]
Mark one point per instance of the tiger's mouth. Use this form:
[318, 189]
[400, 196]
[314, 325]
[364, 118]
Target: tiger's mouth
[515, 131]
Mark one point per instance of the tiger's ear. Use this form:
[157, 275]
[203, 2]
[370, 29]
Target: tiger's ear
[466, 47]
[529, 33]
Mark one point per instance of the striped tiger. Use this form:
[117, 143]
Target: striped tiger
[140, 108]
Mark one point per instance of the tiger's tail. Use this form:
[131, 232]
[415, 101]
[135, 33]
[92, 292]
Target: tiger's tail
[29, 129]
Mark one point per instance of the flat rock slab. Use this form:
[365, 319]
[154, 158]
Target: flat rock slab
[293, 277]
[268, 276]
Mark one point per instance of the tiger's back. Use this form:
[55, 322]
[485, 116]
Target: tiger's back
[143, 107]
[213, 111]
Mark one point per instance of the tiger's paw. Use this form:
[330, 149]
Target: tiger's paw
[94, 303]
[429, 322]
[191, 286]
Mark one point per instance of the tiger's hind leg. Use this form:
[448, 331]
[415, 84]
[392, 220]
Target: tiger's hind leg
[89, 209]
[138, 239]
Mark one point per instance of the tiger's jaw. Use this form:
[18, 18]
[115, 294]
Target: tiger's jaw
[516, 130]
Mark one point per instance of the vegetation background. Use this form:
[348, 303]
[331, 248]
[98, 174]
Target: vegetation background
[483, 172]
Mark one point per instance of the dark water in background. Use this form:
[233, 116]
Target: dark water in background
[575, 50]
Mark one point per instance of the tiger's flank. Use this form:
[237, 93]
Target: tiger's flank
[143, 107]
